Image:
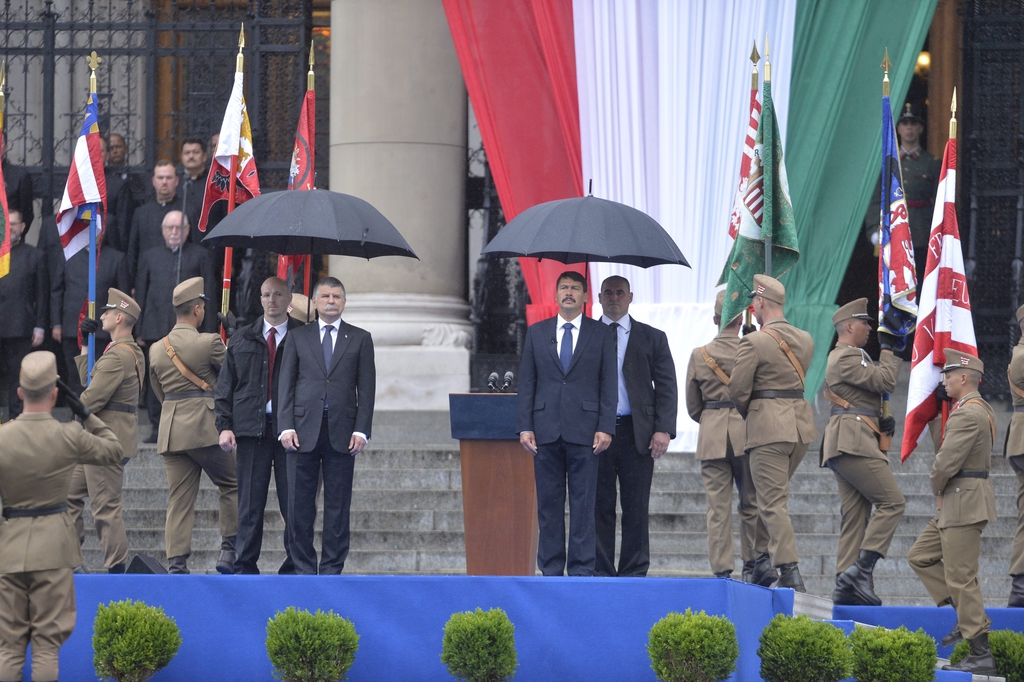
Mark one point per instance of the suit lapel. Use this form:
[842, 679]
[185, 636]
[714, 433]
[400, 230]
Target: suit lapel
[340, 344]
[316, 346]
[553, 329]
[586, 331]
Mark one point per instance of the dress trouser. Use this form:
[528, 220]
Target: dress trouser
[557, 465]
[183, 473]
[865, 482]
[14, 351]
[103, 485]
[1017, 555]
[154, 408]
[256, 457]
[303, 475]
[771, 467]
[634, 471]
[719, 476]
[36, 608]
[946, 561]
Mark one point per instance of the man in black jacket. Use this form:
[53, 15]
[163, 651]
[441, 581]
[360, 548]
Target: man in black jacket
[159, 273]
[20, 195]
[23, 298]
[148, 219]
[246, 418]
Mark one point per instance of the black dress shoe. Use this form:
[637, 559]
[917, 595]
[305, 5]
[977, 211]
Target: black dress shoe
[980, 661]
[789, 576]
[764, 573]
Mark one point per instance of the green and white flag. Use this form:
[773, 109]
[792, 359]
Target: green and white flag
[767, 213]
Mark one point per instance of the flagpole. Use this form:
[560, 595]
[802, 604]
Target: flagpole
[310, 86]
[93, 62]
[754, 58]
[886, 65]
[767, 147]
[952, 136]
[225, 299]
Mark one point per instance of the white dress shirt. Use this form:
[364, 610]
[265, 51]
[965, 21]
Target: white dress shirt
[560, 322]
[282, 329]
[625, 325]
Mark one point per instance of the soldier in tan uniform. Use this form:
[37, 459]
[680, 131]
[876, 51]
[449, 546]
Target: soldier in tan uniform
[38, 546]
[113, 396]
[183, 370]
[720, 450]
[851, 448]
[767, 385]
[1014, 451]
[945, 555]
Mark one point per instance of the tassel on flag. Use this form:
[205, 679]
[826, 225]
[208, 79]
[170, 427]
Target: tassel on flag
[944, 317]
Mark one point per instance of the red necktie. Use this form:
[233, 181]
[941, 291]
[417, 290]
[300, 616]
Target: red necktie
[271, 356]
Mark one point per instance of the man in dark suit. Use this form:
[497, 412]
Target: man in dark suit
[566, 418]
[148, 219]
[326, 392]
[158, 275]
[645, 422]
[18, 182]
[246, 419]
[23, 299]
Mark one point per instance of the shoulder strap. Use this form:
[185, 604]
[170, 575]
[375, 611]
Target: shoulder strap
[991, 424]
[787, 350]
[1017, 390]
[185, 371]
[138, 368]
[713, 366]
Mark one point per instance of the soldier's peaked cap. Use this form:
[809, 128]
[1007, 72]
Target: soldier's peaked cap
[122, 302]
[769, 288]
[300, 310]
[38, 370]
[188, 290]
[857, 309]
[956, 359]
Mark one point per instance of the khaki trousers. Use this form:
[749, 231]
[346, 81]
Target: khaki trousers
[183, 472]
[36, 608]
[946, 561]
[865, 482]
[718, 476]
[1017, 556]
[771, 467]
[103, 486]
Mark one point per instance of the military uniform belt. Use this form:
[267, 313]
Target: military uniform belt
[785, 395]
[10, 513]
[1018, 408]
[185, 395]
[836, 409]
[719, 405]
[121, 407]
[971, 473]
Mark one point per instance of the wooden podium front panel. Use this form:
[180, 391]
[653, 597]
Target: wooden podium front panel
[499, 508]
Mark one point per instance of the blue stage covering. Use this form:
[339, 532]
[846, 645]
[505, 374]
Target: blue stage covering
[566, 628]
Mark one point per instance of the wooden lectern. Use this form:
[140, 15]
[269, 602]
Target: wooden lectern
[499, 495]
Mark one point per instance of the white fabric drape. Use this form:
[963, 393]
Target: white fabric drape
[664, 90]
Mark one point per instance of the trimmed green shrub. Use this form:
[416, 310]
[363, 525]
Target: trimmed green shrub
[899, 655]
[131, 641]
[311, 647]
[480, 646]
[1007, 649]
[803, 649]
[693, 647]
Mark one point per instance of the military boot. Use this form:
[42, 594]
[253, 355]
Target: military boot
[178, 565]
[980, 661]
[1017, 592]
[764, 573]
[858, 580]
[748, 572]
[724, 574]
[226, 561]
[117, 569]
[789, 576]
[953, 637]
[841, 595]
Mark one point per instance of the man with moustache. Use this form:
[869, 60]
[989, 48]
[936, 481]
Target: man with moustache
[565, 415]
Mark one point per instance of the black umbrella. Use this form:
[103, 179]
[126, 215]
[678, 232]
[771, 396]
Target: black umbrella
[587, 230]
[310, 221]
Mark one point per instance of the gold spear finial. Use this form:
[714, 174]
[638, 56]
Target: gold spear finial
[886, 65]
[767, 63]
[310, 78]
[952, 117]
[755, 58]
[93, 62]
[240, 60]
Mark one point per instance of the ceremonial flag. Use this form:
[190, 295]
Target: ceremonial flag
[85, 193]
[766, 213]
[745, 162]
[5, 241]
[944, 319]
[235, 140]
[301, 175]
[897, 276]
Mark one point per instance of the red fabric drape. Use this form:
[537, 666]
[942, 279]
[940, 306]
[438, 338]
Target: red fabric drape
[519, 63]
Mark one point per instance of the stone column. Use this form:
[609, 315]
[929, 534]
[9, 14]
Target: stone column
[398, 140]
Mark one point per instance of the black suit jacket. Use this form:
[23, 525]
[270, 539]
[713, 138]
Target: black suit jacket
[70, 287]
[19, 193]
[146, 232]
[156, 281]
[650, 376]
[348, 386]
[24, 293]
[571, 405]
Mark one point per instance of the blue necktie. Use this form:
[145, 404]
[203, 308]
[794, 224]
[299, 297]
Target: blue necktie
[328, 346]
[565, 352]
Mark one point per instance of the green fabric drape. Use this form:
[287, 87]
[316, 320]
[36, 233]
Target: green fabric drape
[833, 150]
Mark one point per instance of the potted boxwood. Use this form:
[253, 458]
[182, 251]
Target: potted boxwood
[803, 649]
[480, 646]
[881, 655]
[311, 647]
[131, 641]
[1007, 649]
[693, 647]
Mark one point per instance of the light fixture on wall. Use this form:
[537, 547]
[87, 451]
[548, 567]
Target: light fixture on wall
[924, 64]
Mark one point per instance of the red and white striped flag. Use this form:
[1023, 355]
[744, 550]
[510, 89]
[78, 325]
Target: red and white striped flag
[748, 157]
[944, 314]
[85, 193]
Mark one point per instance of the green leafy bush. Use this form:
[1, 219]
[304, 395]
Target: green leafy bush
[900, 655]
[480, 646]
[311, 647]
[802, 649]
[693, 647]
[131, 641]
[1007, 649]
